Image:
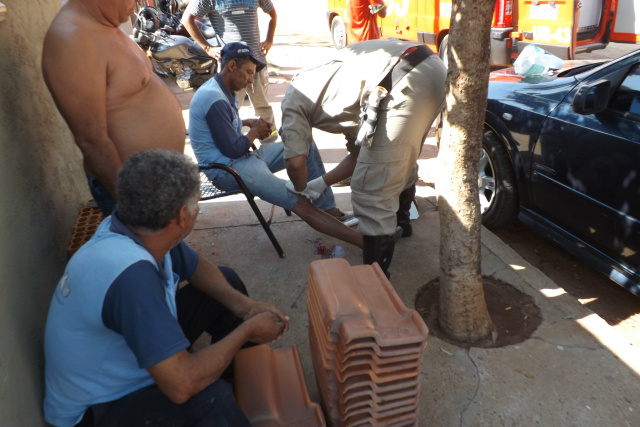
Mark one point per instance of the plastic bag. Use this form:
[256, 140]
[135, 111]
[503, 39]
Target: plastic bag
[534, 60]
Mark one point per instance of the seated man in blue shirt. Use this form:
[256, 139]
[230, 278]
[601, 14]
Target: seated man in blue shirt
[216, 136]
[119, 328]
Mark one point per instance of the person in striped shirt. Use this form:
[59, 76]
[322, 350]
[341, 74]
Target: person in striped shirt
[237, 21]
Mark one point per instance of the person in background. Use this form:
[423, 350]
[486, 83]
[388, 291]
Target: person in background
[237, 21]
[363, 23]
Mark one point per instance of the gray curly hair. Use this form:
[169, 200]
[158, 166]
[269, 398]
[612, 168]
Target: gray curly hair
[152, 187]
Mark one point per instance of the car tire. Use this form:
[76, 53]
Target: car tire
[443, 50]
[496, 183]
[338, 33]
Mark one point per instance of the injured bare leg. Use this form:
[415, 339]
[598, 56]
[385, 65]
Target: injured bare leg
[325, 222]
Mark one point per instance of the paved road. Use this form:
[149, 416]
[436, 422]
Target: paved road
[613, 50]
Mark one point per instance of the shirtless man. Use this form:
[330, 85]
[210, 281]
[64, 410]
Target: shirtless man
[105, 89]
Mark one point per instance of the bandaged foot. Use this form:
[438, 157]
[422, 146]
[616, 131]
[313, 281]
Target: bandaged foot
[307, 192]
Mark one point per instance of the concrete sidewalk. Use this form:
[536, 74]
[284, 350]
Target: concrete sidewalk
[574, 370]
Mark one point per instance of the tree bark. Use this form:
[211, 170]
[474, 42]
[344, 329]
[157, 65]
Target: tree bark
[463, 310]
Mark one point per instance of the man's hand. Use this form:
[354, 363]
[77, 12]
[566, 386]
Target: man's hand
[189, 22]
[308, 192]
[261, 129]
[258, 307]
[266, 327]
[318, 185]
[265, 47]
[213, 51]
[249, 122]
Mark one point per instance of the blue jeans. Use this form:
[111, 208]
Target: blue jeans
[257, 170]
[213, 406]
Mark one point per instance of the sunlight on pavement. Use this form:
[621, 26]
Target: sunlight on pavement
[615, 343]
[185, 116]
[552, 293]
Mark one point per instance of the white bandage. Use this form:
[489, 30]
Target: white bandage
[318, 185]
[307, 192]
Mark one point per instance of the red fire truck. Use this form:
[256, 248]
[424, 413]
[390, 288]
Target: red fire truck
[562, 27]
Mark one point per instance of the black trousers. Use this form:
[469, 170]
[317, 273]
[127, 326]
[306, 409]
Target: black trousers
[213, 406]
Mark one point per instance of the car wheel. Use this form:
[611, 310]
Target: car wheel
[443, 50]
[496, 183]
[338, 33]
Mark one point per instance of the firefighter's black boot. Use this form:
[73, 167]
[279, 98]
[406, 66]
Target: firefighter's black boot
[379, 249]
[403, 214]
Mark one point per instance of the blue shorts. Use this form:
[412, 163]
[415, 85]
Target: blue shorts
[101, 196]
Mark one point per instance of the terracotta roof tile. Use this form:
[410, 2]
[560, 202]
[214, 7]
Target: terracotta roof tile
[270, 388]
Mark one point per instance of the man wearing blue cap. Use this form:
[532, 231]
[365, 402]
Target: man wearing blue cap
[215, 129]
[237, 21]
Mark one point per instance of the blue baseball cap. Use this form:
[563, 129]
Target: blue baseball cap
[238, 49]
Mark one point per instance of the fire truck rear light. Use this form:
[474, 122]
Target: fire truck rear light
[503, 14]
[516, 35]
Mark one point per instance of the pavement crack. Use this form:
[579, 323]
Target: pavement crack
[294, 304]
[471, 401]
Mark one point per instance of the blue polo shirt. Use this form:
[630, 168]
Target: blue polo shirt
[112, 316]
[215, 128]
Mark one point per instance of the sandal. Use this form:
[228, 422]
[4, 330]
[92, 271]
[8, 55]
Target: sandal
[348, 219]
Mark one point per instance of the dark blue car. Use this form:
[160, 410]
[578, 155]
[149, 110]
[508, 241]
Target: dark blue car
[562, 151]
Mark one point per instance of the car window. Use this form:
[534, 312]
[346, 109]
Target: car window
[627, 98]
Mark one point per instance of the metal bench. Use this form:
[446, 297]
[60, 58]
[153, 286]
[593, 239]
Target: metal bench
[209, 191]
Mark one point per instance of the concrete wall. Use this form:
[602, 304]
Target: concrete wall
[42, 188]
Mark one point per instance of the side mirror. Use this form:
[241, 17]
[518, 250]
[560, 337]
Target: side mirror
[592, 98]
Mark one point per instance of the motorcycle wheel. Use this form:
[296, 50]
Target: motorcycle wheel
[147, 20]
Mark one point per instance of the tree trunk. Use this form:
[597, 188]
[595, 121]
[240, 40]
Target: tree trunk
[463, 310]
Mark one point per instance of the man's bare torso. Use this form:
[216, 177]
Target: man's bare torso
[141, 112]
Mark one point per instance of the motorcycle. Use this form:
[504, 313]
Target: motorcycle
[175, 55]
[169, 13]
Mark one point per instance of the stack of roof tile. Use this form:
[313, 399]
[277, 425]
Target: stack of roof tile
[366, 346]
